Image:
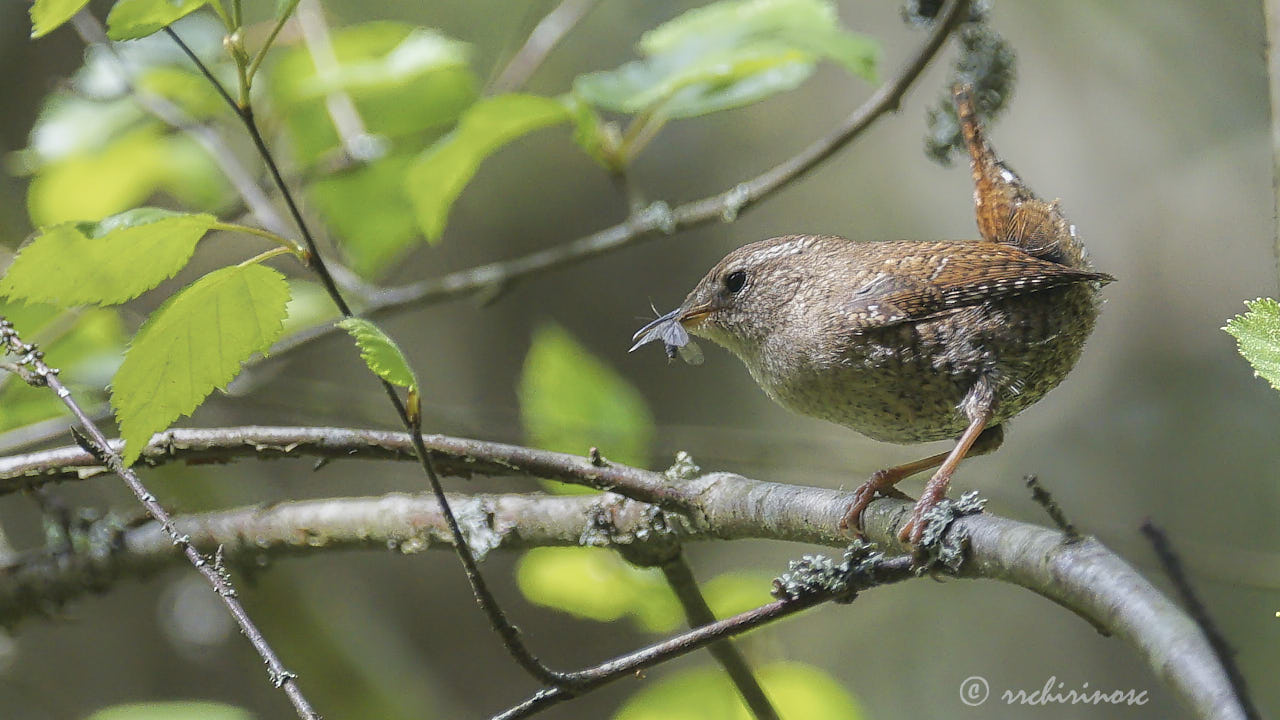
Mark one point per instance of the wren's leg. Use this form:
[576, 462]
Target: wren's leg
[883, 481]
[936, 489]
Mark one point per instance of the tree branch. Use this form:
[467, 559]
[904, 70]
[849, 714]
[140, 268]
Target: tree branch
[91, 32]
[680, 577]
[1084, 577]
[44, 376]
[545, 36]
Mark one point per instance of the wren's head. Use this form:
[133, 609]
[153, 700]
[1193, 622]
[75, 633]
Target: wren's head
[745, 297]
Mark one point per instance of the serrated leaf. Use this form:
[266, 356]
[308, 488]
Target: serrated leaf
[133, 19]
[380, 353]
[193, 344]
[798, 692]
[571, 401]
[368, 209]
[1257, 333]
[104, 263]
[729, 54]
[180, 710]
[48, 15]
[439, 174]
[598, 585]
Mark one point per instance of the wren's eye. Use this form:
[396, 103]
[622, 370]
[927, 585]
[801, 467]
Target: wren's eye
[734, 281]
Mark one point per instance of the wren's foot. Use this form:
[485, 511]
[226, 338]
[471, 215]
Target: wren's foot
[881, 483]
[934, 492]
[913, 531]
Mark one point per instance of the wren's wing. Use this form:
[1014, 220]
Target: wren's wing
[907, 281]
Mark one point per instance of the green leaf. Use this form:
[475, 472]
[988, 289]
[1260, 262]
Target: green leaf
[368, 209]
[1258, 334]
[187, 90]
[598, 585]
[728, 54]
[309, 306]
[598, 139]
[86, 345]
[180, 710]
[48, 15]
[104, 263]
[421, 51]
[404, 80]
[438, 176]
[193, 344]
[133, 19]
[737, 592]
[125, 173]
[570, 401]
[380, 353]
[798, 691]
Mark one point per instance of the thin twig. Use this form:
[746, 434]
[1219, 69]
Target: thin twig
[680, 577]
[886, 571]
[342, 110]
[1052, 509]
[246, 186]
[545, 36]
[32, 359]
[507, 631]
[1221, 648]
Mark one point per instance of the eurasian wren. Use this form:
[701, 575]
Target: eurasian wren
[908, 341]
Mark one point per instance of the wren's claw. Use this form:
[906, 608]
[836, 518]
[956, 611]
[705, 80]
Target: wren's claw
[880, 484]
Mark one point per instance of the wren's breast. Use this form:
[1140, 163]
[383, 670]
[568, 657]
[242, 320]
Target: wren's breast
[903, 383]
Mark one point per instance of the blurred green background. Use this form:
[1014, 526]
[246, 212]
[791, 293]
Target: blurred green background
[1150, 121]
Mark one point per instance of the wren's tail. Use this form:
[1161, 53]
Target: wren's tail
[1008, 211]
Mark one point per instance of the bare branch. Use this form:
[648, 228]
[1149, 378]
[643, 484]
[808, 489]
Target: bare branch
[680, 577]
[1226, 655]
[246, 186]
[1084, 577]
[44, 376]
[356, 140]
[545, 36]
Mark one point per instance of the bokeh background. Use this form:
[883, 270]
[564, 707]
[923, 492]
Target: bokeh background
[1150, 121]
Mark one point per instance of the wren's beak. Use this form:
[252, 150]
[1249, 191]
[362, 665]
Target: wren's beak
[679, 315]
[694, 315]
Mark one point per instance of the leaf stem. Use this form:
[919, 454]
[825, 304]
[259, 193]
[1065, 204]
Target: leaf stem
[271, 38]
[267, 255]
[222, 14]
[291, 245]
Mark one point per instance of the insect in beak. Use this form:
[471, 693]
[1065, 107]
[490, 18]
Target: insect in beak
[669, 328]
